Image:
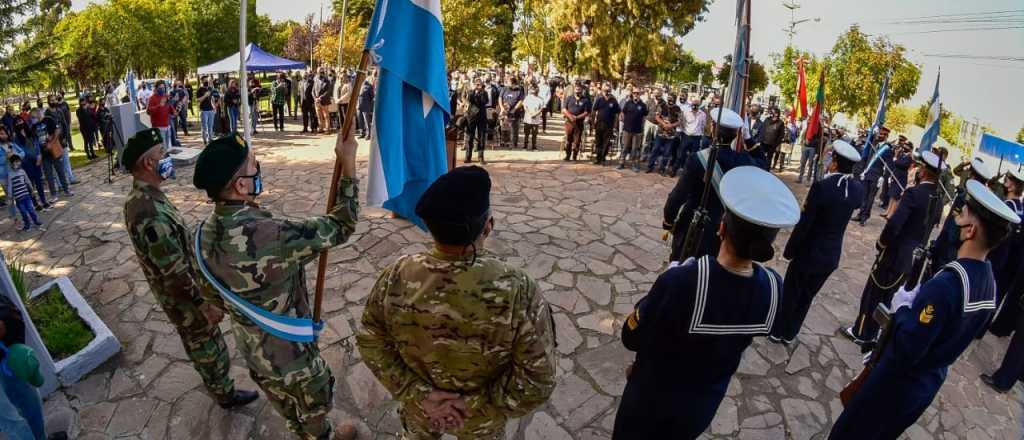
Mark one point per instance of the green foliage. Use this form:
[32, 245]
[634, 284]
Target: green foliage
[600, 36]
[22, 53]
[62, 330]
[535, 37]
[899, 117]
[757, 80]
[17, 271]
[784, 74]
[686, 68]
[857, 67]
[1020, 136]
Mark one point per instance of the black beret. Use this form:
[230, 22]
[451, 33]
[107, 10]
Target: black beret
[219, 162]
[138, 145]
[455, 206]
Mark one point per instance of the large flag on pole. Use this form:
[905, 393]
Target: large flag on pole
[879, 116]
[738, 72]
[800, 106]
[407, 151]
[814, 125]
[931, 128]
[129, 83]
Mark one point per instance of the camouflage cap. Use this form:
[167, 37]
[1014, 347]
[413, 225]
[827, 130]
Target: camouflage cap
[219, 162]
[138, 145]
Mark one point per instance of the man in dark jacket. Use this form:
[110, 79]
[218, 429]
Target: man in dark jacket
[308, 105]
[365, 107]
[606, 110]
[773, 134]
[87, 124]
[512, 108]
[476, 120]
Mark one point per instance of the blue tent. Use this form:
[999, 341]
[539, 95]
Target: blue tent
[256, 60]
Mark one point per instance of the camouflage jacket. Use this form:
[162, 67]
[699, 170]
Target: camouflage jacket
[163, 244]
[261, 259]
[435, 321]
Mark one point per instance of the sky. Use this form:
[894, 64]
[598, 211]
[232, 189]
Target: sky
[984, 89]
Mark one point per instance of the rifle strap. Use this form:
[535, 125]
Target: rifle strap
[716, 176]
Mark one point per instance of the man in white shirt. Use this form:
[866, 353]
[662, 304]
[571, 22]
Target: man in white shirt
[533, 105]
[691, 131]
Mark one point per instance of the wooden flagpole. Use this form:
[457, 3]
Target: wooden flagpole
[346, 128]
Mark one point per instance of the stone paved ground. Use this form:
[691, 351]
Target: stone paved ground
[590, 235]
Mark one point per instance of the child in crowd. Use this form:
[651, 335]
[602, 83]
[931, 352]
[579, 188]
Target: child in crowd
[21, 193]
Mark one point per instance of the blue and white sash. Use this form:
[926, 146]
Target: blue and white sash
[284, 327]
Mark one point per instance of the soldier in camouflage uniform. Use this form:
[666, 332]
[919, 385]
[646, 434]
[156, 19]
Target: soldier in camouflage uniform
[462, 340]
[164, 248]
[260, 259]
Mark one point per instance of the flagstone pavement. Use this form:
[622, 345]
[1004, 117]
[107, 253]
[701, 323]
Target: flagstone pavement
[591, 235]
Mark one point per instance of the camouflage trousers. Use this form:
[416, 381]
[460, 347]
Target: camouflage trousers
[484, 427]
[210, 358]
[204, 345]
[304, 403]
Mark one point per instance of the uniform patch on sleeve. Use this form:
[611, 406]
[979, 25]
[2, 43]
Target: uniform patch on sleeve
[633, 320]
[151, 234]
[927, 314]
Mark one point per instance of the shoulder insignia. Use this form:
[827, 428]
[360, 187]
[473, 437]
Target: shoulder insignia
[633, 320]
[927, 314]
[151, 234]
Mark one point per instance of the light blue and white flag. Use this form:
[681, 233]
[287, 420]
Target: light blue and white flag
[931, 128]
[879, 118]
[407, 151]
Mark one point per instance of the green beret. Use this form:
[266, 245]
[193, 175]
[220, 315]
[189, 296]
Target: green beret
[219, 162]
[138, 145]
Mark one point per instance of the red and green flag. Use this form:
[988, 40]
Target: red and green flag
[819, 103]
[800, 106]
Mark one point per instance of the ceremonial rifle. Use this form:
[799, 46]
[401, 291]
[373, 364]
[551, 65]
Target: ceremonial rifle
[695, 232]
[882, 314]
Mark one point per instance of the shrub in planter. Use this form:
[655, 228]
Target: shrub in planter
[63, 331]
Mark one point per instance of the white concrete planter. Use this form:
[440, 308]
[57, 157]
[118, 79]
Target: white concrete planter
[32, 339]
[102, 347]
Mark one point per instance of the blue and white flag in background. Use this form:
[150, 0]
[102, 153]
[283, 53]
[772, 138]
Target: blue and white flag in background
[407, 151]
[879, 117]
[931, 128]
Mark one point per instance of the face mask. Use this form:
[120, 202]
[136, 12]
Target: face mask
[166, 169]
[257, 181]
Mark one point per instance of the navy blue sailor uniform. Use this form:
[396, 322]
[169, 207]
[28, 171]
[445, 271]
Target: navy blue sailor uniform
[904, 231]
[696, 311]
[943, 249]
[1008, 265]
[928, 336]
[872, 175]
[686, 194]
[815, 246]
[900, 169]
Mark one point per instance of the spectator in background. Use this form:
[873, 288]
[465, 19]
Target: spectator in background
[693, 121]
[476, 120]
[278, 99]
[773, 134]
[342, 93]
[668, 119]
[47, 132]
[511, 106]
[86, 114]
[255, 90]
[365, 107]
[182, 101]
[295, 93]
[207, 112]
[308, 104]
[143, 95]
[606, 111]
[634, 110]
[232, 101]
[9, 149]
[322, 93]
[533, 105]
[55, 112]
[160, 113]
[8, 119]
[65, 111]
[33, 160]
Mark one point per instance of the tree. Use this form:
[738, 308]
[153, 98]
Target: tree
[604, 50]
[784, 73]
[899, 117]
[757, 80]
[12, 28]
[216, 21]
[686, 68]
[856, 69]
[535, 37]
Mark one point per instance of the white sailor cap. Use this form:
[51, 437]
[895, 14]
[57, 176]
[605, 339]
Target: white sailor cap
[1017, 173]
[759, 197]
[845, 150]
[932, 160]
[978, 166]
[729, 118]
[978, 193]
